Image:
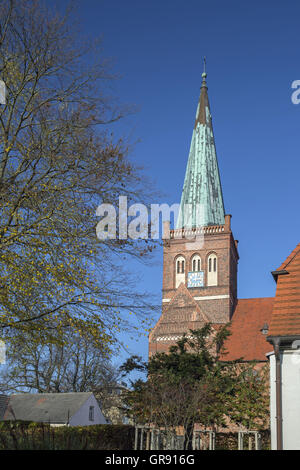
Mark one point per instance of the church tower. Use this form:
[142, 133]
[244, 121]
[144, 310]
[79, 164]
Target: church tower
[200, 255]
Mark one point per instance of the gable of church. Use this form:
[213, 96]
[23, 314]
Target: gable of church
[181, 315]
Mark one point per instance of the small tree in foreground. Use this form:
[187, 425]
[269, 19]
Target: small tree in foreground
[192, 385]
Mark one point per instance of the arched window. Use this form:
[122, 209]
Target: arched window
[212, 272]
[196, 263]
[180, 271]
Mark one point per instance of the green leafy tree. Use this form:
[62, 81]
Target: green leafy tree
[192, 385]
[249, 407]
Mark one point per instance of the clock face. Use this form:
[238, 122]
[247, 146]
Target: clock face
[196, 279]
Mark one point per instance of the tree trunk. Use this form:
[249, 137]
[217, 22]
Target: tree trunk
[188, 436]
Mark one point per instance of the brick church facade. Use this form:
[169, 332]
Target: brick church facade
[200, 260]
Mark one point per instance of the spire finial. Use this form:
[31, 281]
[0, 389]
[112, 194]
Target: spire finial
[204, 74]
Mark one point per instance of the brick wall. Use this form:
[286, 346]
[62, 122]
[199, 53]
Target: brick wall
[189, 308]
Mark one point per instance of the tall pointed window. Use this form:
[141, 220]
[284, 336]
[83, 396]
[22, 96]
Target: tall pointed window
[212, 270]
[196, 263]
[179, 271]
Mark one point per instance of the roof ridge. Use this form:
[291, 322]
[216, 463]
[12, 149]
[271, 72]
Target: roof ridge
[256, 298]
[49, 393]
[290, 257]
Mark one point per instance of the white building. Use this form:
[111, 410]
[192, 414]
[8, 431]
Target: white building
[57, 409]
[284, 335]
[290, 399]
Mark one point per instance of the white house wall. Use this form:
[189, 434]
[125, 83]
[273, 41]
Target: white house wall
[81, 417]
[273, 400]
[290, 370]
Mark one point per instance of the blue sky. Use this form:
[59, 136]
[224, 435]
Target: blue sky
[252, 51]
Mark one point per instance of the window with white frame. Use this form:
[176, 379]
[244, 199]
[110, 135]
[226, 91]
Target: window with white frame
[196, 263]
[179, 271]
[212, 270]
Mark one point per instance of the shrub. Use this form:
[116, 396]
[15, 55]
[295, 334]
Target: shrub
[21, 435]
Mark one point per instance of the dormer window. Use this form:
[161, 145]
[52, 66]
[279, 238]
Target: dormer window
[265, 329]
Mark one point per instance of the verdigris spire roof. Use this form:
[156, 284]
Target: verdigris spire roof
[202, 198]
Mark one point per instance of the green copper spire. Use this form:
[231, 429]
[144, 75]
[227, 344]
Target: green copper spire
[202, 199]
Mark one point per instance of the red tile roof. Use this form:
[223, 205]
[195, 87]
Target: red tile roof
[247, 340]
[289, 258]
[286, 311]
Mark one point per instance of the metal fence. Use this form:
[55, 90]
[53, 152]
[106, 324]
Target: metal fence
[254, 440]
[150, 438]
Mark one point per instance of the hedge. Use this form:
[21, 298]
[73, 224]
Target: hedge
[21, 435]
